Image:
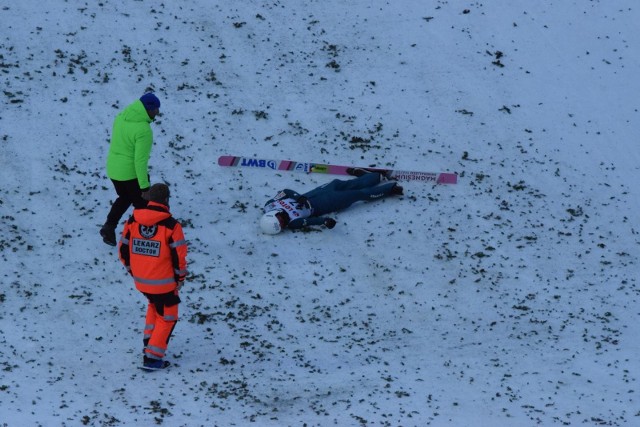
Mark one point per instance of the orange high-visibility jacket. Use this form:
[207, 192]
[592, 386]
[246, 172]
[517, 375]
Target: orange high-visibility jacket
[153, 249]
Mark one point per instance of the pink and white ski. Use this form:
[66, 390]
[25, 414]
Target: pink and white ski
[290, 165]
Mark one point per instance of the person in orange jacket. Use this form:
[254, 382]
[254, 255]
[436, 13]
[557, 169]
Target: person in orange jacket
[154, 251]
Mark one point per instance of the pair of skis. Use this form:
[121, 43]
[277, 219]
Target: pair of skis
[306, 167]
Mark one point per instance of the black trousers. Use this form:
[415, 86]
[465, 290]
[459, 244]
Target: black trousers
[129, 193]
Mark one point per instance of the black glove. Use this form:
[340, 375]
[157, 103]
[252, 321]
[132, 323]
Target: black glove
[301, 202]
[329, 223]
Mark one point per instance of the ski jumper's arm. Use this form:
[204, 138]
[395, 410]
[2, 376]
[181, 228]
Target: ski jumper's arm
[299, 223]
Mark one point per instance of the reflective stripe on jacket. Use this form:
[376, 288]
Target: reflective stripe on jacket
[153, 248]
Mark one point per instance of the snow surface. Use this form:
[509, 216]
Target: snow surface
[509, 299]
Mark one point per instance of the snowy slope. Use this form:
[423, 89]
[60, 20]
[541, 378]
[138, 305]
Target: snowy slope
[508, 299]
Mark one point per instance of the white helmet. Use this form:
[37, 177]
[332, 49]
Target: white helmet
[269, 223]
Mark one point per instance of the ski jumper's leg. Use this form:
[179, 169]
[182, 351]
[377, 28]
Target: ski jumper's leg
[367, 180]
[337, 200]
[364, 181]
[324, 188]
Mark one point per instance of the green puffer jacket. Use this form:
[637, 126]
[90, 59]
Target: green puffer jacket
[131, 140]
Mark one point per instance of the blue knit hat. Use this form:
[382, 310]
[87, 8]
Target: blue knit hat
[150, 101]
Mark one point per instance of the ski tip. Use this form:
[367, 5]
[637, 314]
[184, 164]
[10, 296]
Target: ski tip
[225, 160]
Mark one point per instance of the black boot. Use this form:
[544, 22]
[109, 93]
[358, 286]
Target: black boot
[357, 171]
[150, 364]
[397, 190]
[384, 174]
[108, 233]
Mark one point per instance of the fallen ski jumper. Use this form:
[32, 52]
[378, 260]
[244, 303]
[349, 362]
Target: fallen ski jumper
[289, 209]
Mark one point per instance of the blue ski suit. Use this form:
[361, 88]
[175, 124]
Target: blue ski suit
[310, 208]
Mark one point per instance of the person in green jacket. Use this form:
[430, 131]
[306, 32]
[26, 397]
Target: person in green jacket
[128, 159]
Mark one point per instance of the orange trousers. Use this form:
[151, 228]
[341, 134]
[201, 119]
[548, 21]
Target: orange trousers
[160, 321]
